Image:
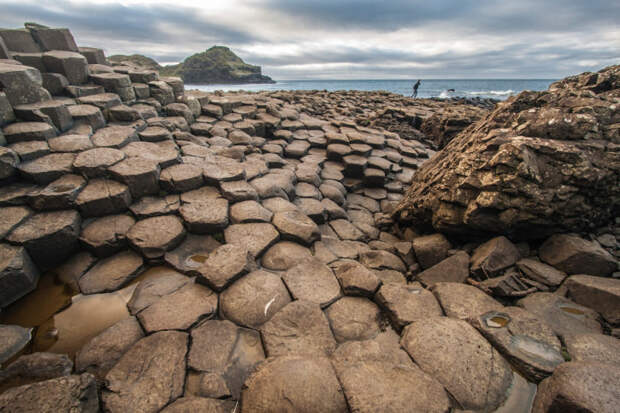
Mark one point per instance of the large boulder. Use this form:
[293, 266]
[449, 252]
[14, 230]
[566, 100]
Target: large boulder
[540, 163]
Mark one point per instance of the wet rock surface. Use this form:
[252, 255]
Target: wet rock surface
[253, 235]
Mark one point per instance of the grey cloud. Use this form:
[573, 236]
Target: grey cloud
[144, 23]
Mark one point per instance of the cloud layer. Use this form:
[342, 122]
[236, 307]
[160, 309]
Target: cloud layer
[312, 39]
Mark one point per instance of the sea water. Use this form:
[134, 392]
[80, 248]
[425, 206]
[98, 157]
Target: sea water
[438, 88]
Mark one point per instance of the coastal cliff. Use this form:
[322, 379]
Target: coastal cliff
[216, 65]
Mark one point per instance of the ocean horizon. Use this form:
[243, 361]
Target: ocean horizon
[499, 89]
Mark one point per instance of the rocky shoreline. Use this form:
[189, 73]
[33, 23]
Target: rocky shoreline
[301, 251]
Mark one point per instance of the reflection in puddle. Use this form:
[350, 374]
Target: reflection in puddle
[196, 260]
[65, 321]
[571, 310]
[50, 296]
[88, 315]
[496, 320]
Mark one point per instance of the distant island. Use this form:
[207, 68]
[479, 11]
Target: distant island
[214, 66]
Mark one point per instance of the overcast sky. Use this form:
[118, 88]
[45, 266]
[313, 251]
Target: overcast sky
[345, 39]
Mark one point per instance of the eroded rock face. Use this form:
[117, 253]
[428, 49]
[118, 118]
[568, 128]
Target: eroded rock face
[540, 163]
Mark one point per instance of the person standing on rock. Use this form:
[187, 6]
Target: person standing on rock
[415, 89]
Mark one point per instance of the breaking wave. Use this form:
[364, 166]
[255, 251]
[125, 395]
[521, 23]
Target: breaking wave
[493, 92]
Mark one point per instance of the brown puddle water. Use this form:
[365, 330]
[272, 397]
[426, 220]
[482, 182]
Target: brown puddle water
[196, 260]
[571, 310]
[65, 320]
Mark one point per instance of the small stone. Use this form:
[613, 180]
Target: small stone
[237, 191]
[179, 310]
[495, 255]
[300, 327]
[59, 194]
[48, 168]
[154, 236]
[346, 230]
[405, 304]
[452, 269]
[111, 273]
[382, 260]
[431, 249]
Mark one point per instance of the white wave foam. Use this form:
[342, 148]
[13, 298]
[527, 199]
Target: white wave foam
[444, 95]
[492, 92]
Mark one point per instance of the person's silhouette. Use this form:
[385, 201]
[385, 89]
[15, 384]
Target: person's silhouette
[415, 89]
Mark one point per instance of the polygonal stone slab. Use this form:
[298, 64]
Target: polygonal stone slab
[468, 366]
[453, 269]
[48, 168]
[18, 274]
[257, 237]
[59, 194]
[523, 339]
[224, 265]
[249, 211]
[220, 347]
[296, 226]
[192, 253]
[405, 304]
[94, 163]
[312, 281]
[294, 383]
[574, 255]
[598, 293]
[285, 255]
[103, 197]
[140, 175]
[254, 299]
[356, 279]
[49, 237]
[563, 315]
[161, 282]
[300, 327]
[180, 309]
[149, 376]
[111, 273]
[154, 236]
[205, 217]
[181, 178]
[104, 236]
[464, 301]
[354, 318]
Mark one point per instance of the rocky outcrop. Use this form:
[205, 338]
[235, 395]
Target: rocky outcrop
[216, 65]
[542, 162]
